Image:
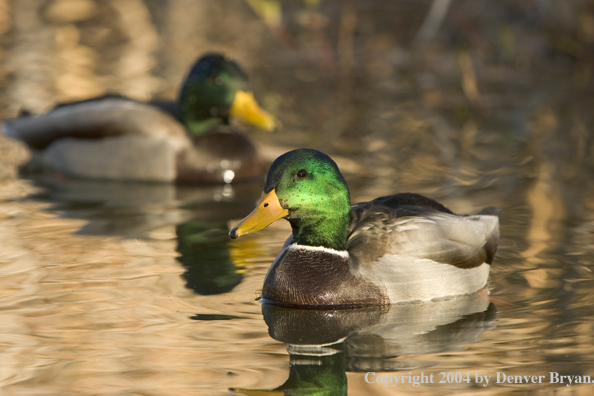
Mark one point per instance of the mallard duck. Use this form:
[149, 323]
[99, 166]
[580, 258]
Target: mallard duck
[396, 248]
[117, 138]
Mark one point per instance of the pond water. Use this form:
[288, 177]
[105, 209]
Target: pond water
[135, 289]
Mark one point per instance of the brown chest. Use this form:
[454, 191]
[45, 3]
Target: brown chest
[318, 278]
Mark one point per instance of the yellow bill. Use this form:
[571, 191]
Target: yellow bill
[267, 211]
[247, 109]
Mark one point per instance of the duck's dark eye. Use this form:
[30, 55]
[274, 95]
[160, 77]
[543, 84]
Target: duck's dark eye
[215, 80]
[301, 173]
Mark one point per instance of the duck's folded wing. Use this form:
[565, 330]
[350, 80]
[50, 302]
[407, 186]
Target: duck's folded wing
[424, 233]
[94, 119]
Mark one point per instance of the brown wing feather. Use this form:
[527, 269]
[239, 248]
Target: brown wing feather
[413, 225]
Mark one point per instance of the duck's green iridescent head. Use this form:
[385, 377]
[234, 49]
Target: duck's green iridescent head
[306, 187]
[215, 89]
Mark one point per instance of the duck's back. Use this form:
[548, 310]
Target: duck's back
[418, 247]
[94, 119]
[106, 138]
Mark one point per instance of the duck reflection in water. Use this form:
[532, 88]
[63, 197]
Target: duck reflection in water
[325, 344]
[135, 210]
[203, 244]
[206, 255]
